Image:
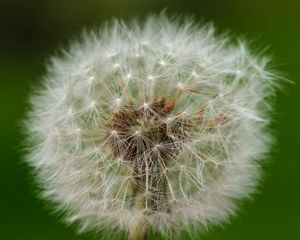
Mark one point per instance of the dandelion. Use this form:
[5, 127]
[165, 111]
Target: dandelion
[157, 126]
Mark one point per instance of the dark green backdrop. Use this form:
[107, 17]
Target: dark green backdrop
[30, 30]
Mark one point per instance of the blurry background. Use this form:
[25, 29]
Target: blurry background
[31, 30]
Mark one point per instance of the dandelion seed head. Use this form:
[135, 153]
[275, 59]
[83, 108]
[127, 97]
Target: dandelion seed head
[175, 152]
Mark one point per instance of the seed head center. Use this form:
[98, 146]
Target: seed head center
[149, 139]
[140, 130]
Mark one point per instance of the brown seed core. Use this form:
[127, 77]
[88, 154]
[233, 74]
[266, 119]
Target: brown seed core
[149, 138]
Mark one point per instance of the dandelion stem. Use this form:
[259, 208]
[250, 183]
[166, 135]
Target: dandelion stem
[138, 233]
[139, 230]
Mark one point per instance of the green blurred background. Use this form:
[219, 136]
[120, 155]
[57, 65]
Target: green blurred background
[31, 30]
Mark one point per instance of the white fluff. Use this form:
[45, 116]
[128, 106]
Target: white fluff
[84, 88]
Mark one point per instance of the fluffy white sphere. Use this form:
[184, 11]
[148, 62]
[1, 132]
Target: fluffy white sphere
[158, 125]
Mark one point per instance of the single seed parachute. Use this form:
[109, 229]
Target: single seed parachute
[155, 126]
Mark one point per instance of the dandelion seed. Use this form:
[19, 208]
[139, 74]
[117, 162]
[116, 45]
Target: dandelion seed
[194, 74]
[154, 157]
[150, 77]
[92, 104]
[146, 105]
[91, 79]
[162, 63]
[118, 101]
[116, 65]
